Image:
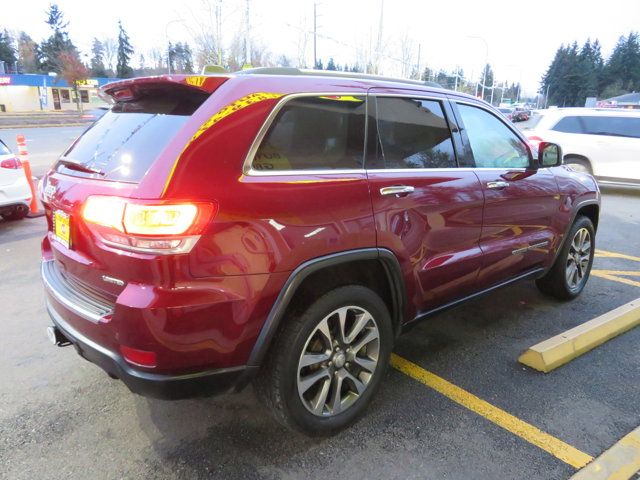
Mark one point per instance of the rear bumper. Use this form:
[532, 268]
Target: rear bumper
[15, 193]
[168, 387]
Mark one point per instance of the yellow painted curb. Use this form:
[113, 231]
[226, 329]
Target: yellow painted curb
[620, 462]
[35, 125]
[561, 349]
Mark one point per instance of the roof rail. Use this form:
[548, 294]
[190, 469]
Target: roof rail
[331, 73]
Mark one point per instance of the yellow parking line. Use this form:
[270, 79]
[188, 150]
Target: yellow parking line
[606, 254]
[522, 429]
[613, 276]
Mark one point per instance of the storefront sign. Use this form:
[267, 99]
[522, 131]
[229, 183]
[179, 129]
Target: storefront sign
[89, 82]
[5, 80]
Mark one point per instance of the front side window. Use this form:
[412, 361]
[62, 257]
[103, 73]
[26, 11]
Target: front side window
[613, 126]
[412, 133]
[315, 133]
[493, 144]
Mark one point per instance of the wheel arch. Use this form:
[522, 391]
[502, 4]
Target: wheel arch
[577, 156]
[323, 269]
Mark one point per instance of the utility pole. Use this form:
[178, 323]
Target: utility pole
[379, 45]
[418, 65]
[315, 35]
[247, 40]
[219, 32]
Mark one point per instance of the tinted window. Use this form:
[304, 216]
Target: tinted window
[412, 133]
[319, 133]
[493, 144]
[125, 142]
[615, 126]
[569, 125]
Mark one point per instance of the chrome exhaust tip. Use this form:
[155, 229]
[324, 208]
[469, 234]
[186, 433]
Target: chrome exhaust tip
[57, 337]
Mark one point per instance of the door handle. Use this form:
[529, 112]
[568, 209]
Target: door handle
[397, 190]
[497, 185]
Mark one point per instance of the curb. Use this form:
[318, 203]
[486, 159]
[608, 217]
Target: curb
[620, 462]
[556, 351]
[35, 125]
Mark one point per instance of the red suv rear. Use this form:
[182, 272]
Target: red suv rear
[285, 226]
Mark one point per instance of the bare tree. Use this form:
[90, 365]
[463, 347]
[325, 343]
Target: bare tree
[110, 51]
[406, 55]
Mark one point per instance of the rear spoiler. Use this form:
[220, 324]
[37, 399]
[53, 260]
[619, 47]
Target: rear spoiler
[130, 89]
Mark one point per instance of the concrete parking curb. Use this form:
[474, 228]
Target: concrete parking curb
[620, 462]
[556, 351]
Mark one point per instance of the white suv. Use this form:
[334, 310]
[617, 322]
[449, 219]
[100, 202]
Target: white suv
[603, 142]
[15, 194]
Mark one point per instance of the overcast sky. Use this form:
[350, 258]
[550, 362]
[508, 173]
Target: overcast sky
[522, 37]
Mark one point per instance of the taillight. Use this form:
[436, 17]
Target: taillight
[12, 163]
[534, 141]
[144, 226]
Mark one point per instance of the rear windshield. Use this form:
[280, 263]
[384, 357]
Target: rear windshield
[127, 140]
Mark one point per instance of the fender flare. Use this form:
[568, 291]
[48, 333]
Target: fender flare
[574, 215]
[276, 314]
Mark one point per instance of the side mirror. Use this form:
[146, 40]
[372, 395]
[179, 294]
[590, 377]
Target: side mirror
[549, 155]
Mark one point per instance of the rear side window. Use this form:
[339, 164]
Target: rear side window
[315, 133]
[613, 126]
[127, 140]
[412, 133]
[569, 125]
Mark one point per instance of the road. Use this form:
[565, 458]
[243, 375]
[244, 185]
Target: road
[44, 144]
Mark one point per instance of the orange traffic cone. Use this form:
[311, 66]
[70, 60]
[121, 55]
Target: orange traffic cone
[26, 166]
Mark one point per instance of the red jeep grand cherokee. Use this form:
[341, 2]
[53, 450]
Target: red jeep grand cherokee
[284, 226]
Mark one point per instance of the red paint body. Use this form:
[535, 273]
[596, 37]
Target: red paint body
[205, 309]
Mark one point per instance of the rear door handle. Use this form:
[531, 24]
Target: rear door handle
[397, 190]
[497, 185]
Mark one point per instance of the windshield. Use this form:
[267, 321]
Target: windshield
[128, 139]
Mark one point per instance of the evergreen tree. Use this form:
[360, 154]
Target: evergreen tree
[125, 50]
[7, 51]
[331, 64]
[97, 59]
[624, 63]
[188, 58]
[27, 54]
[50, 50]
[318, 65]
[486, 78]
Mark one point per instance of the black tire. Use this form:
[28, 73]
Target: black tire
[18, 213]
[555, 282]
[277, 383]
[580, 164]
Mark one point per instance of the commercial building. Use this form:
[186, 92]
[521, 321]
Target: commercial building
[32, 92]
[629, 100]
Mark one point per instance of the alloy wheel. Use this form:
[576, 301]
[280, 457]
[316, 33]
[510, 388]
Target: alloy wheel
[578, 259]
[338, 361]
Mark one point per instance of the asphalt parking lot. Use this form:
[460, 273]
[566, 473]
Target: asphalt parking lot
[61, 417]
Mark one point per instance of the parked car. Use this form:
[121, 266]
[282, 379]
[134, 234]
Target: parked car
[507, 112]
[284, 227]
[602, 142]
[521, 114]
[15, 193]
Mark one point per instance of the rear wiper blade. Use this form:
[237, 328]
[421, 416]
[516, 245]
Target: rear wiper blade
[80, 167]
